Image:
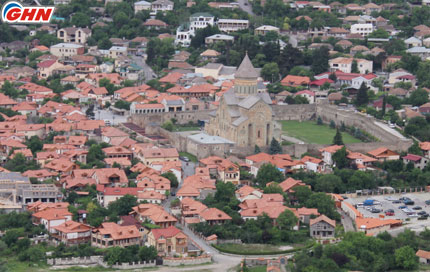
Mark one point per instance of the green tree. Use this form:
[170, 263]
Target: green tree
[362, 97]
[168, 125]
[275, 147]
[286, 220]
[302, 193]
[337, 139]
[270, 72]
[406, 258]
[320, 59]
[104, 43]
[418, 97]
[147, 253]
[173, 180]
[20, 164]
[34, 144]
[354, 67]
[339, 158]
[121, 104]
[268, 173]
[123, 205]
[273, 188]
[9, 90]
[324, 203]
[257, 149]
[80, 19]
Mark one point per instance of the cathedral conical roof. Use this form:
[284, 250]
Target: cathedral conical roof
[246, 69]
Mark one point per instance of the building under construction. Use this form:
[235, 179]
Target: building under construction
[16, 191]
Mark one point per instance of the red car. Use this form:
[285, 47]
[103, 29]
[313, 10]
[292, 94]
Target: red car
[389, 212]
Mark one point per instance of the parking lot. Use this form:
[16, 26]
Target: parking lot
[385, 202]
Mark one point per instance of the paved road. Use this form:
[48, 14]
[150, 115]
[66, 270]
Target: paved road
[188, 169]
[149, 73]
[291, 139]
[245, 6]
[347, 223]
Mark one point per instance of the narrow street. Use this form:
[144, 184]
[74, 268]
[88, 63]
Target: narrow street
[149, 74]
[245, 6]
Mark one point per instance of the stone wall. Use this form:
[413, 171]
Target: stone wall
[187, 261]
[327, 113]
[352, 119]
[182, 117]
[297, 150]
[76, 260]
[134, 265]
[294, 112]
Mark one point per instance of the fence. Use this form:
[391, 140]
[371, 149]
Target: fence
[134, 265]
[187, 260]
[76, 260]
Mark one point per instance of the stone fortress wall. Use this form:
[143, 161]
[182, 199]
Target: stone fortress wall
[304, 112]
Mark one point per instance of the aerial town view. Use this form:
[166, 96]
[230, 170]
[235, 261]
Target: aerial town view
[206, 136]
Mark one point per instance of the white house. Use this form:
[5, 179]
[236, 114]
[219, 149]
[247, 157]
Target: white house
[161, 5]
[141, 5]
[345, 65]
[362, 29]
[185, 32]
[231, 25]
[413, 42]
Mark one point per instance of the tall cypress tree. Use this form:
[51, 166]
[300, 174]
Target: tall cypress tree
[362, 98]
[337, 139]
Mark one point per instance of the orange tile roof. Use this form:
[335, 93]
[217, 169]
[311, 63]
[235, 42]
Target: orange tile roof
[77, 140]
[290, 183]
[150, 195]
[322, 218]
[212, 214]
[358, 155]
[425, 146]
[245, 191]
[118, 232]
[371, 223]
[423, 254]
[121, 161]
[40, 206]
[154, 212]
[166, 232]
[311, 159]
[79, 182]
[72, 227]
[171, 78]
[53, 214]
[331, 149]
[188, 190]
[60, 165]
[291, 80]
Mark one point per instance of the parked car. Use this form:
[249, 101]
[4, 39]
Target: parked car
[402, 207]
[389, 212]
[422, 213]
[396, 201]
[412, 215]
[375, 210]
[183, 158]
[408, 202]
[403, 198]
[417, 208]
[427, 202]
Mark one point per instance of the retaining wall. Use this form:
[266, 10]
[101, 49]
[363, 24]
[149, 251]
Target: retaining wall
[76, 260]
[134, 265]
[187, 261]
